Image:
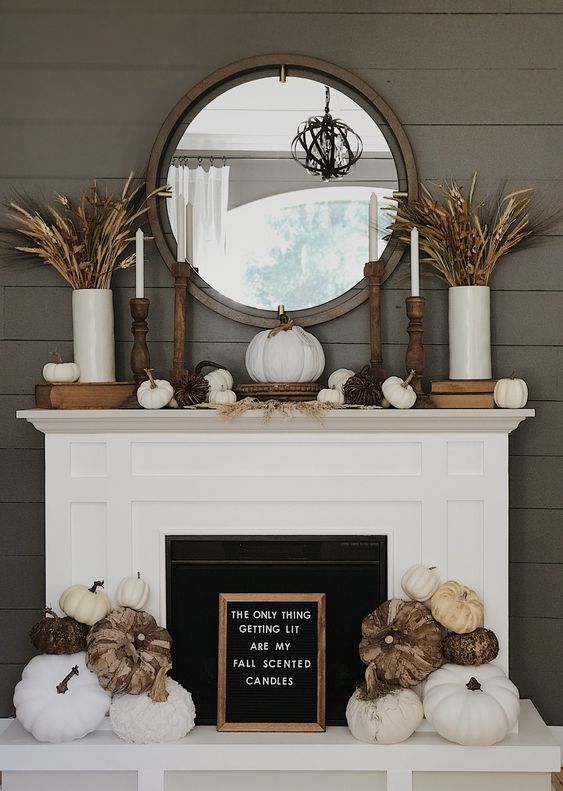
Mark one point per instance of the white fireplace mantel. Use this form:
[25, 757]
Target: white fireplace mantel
[435, 482]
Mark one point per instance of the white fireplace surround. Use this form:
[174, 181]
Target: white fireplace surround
[434, 482]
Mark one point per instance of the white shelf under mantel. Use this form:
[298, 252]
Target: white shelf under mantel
[180, 421]
[532, 749]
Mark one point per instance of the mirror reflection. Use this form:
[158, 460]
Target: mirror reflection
[260, 228]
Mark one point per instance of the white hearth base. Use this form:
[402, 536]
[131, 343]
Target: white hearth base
[330, 761]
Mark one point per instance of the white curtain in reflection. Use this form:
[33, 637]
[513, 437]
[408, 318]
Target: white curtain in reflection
[208, 192]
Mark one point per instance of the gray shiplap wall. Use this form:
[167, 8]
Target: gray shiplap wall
[477, 83]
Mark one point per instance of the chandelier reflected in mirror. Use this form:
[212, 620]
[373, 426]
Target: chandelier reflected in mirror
[331, 147]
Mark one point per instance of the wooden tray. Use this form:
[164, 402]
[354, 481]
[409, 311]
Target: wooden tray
[280, 391]
[86, 395]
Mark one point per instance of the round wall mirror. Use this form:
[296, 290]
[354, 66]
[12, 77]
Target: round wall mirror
[281, 169]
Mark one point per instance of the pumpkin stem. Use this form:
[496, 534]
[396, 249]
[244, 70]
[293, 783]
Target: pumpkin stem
[285, 323]
[374, 687]
[56, 357]
[206, 364]
[148, 372]
[406, 383]
[63, 686]
[138, 575]
[158, 692]
[52, 613]
[97, 584]
[473, 685]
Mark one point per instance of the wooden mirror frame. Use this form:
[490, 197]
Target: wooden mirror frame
[245, 71]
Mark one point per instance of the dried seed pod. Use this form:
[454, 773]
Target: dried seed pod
[190, 389]
[474, 648]
[363, 388]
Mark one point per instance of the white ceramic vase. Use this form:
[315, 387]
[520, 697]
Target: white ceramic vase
[470, 332]
[93, 334]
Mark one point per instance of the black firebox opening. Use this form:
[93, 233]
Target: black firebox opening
[350, 570]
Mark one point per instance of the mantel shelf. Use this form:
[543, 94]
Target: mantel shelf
[171, 421]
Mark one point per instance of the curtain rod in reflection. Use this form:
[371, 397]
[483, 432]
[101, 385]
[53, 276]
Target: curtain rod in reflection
[176, 161]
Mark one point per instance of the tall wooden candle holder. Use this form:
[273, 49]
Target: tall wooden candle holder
[415, 358]
[140, 358]
[181, 272]
[374, 271]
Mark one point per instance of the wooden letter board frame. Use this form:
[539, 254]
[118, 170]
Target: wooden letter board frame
[319, 723]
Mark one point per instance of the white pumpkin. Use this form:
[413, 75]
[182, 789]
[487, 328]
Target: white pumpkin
[85, 605]
[58, 699]
[338, 378]
[471, 705]
[284, 354]
[457, 607]
[399, 393]
[154, 393]
[59, 371]
[139, 720]
[420, 582]
[511, 393]
[222, 397]
[132, 592]
[385, 719]
[219, 379]
[328, 396]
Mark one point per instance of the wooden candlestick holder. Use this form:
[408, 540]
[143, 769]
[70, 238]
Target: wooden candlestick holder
[415, 358]
[140, 358]
[181, 272]
[374, 271]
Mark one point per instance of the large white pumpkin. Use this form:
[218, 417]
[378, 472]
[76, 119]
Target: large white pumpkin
[471, 705]
[85, 605]
[56, 704]
[285, 354]
[137, 719]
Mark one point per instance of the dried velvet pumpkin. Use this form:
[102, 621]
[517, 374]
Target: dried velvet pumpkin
[403, 641]
[126, 650]
[56, 635]
[474, 648]
[363, 389]
[190, 389]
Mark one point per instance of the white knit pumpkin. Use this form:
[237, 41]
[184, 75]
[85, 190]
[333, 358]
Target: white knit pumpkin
[329, 396]
[284, 355]
[132, 592]
[85, 605]
[420, 582]
[338, 378]
[511, 393]
[471, 705]
[387, 719]
[136, 719]
[59, 716]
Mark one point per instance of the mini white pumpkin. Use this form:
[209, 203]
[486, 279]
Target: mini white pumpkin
[151, 717]
[471, 705]
[85, 605]
[511, 393]
[219, 379]
[328, 396]
[222, 397]
[154, 393]
[399, 393]
[383, 717]
[285, 353]
[457, 607]
[338, 378]
[132, 592]
[420, 582]
[59, 371]
[58, 699]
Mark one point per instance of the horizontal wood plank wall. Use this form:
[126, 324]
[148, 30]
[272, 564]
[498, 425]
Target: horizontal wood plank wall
[85, 87]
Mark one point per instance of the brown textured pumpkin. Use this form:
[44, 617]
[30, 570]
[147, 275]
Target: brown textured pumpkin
[363, 389]
[126, 649]
[56, 635]
[190, 389]
[474, 648]
[403, 640]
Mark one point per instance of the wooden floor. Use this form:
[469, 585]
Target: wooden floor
[557, 782]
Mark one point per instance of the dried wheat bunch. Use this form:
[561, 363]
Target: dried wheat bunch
[463, 240]
[86, 240]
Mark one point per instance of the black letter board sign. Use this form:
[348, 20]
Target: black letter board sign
[271, 662]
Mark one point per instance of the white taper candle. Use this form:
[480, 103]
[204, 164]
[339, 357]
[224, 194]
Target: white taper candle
[373, 227]
[190, 233]
[139, 264]
[415, 276]
[180, 229]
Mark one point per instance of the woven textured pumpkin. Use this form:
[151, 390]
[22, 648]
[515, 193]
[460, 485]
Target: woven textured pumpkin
[457, 607]
[476, 648]
[403, 640]
[363, 389]
[56, 635]
[190, 389]
[127, 649]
